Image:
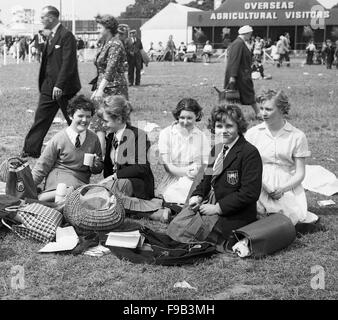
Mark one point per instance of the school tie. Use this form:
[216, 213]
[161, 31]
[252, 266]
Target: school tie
[115, 142]
[77, 142]
[218, 166]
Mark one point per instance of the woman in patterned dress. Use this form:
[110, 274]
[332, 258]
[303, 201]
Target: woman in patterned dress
[110, 63]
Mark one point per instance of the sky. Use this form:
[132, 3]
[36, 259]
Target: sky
[85, 9]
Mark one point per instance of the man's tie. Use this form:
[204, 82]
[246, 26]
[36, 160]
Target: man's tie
[77, 142]
[50, 38]
[218, 166]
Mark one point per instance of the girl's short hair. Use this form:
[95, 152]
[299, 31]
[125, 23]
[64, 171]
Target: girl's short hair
[109, 22]
[233, 112]
[80, 102]
[188, 104]
[280, 99]
[117, 107]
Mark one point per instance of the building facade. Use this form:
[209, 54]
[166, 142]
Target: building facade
[302, 19]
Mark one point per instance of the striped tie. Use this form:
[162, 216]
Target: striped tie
[77, 142]
[218, 166]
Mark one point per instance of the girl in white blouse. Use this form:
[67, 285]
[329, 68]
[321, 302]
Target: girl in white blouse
[283, 149]
[183, 150]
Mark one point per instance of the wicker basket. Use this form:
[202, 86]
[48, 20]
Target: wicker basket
[80, 215]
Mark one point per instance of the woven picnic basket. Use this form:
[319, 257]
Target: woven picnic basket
[103, 212]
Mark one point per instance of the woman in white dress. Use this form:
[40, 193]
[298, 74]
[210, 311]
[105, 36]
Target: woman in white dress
[283, 149]
[183, 150]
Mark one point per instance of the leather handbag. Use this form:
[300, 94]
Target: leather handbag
[189, 226]
[19, 179]
[266, 235]
[230, 95]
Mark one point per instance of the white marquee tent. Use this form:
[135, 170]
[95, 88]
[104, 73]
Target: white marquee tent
[171, 20]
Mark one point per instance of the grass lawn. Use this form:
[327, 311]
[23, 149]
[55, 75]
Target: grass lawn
[285, 275]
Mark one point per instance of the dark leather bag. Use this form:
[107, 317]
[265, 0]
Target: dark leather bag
[266, 235]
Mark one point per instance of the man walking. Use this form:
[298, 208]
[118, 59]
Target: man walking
[238, 70]
[58, 80]
[134, 56]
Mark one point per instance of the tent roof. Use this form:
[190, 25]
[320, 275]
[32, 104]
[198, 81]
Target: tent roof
[173, 16]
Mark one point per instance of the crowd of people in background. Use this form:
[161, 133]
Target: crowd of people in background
[279, 50]
[326, 54]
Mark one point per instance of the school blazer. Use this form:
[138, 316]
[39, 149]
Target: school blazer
[238, 187]
[132, 161]
[59, 63]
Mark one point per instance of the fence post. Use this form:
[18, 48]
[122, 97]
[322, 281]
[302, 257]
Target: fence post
[5, 54]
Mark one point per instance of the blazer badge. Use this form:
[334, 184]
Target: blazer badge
[232, 177]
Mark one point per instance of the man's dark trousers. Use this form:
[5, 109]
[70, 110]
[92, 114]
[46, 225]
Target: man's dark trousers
[132, 66]
[44, 116]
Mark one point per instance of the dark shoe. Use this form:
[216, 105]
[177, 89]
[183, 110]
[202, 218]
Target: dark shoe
[137, 84]
[131, 84]
[25, 154]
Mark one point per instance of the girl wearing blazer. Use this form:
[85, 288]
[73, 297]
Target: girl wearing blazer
[226, 197]
[126, 166]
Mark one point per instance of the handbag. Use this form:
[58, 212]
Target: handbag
[189, 226]
[19, 180]
[93, 82]
[38, 222]
[266, 235]
[230, 95]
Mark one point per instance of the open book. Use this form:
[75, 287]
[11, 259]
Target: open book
[129, 239]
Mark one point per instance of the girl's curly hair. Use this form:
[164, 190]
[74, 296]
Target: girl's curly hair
[280, 99]
[220, 113]
[109, 22]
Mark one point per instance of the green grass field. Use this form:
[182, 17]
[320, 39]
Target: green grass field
[285, 275]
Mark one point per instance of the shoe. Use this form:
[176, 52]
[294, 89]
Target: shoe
[137, 84]
[131, 84]
[25, 154]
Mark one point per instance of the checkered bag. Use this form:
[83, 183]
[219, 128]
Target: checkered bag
[38, 222]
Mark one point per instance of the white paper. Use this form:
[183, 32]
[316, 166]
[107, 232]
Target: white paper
[150, 126]
[66, 239]
[184, 284]
[324, 203]
[97, 251]
[318, 179]
[2, 187]
[132, 239]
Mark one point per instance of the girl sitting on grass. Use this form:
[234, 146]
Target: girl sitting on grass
[126, 165]
[284, 150]
[62, 160]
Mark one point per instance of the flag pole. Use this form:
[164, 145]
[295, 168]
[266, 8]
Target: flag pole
[73, 17]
